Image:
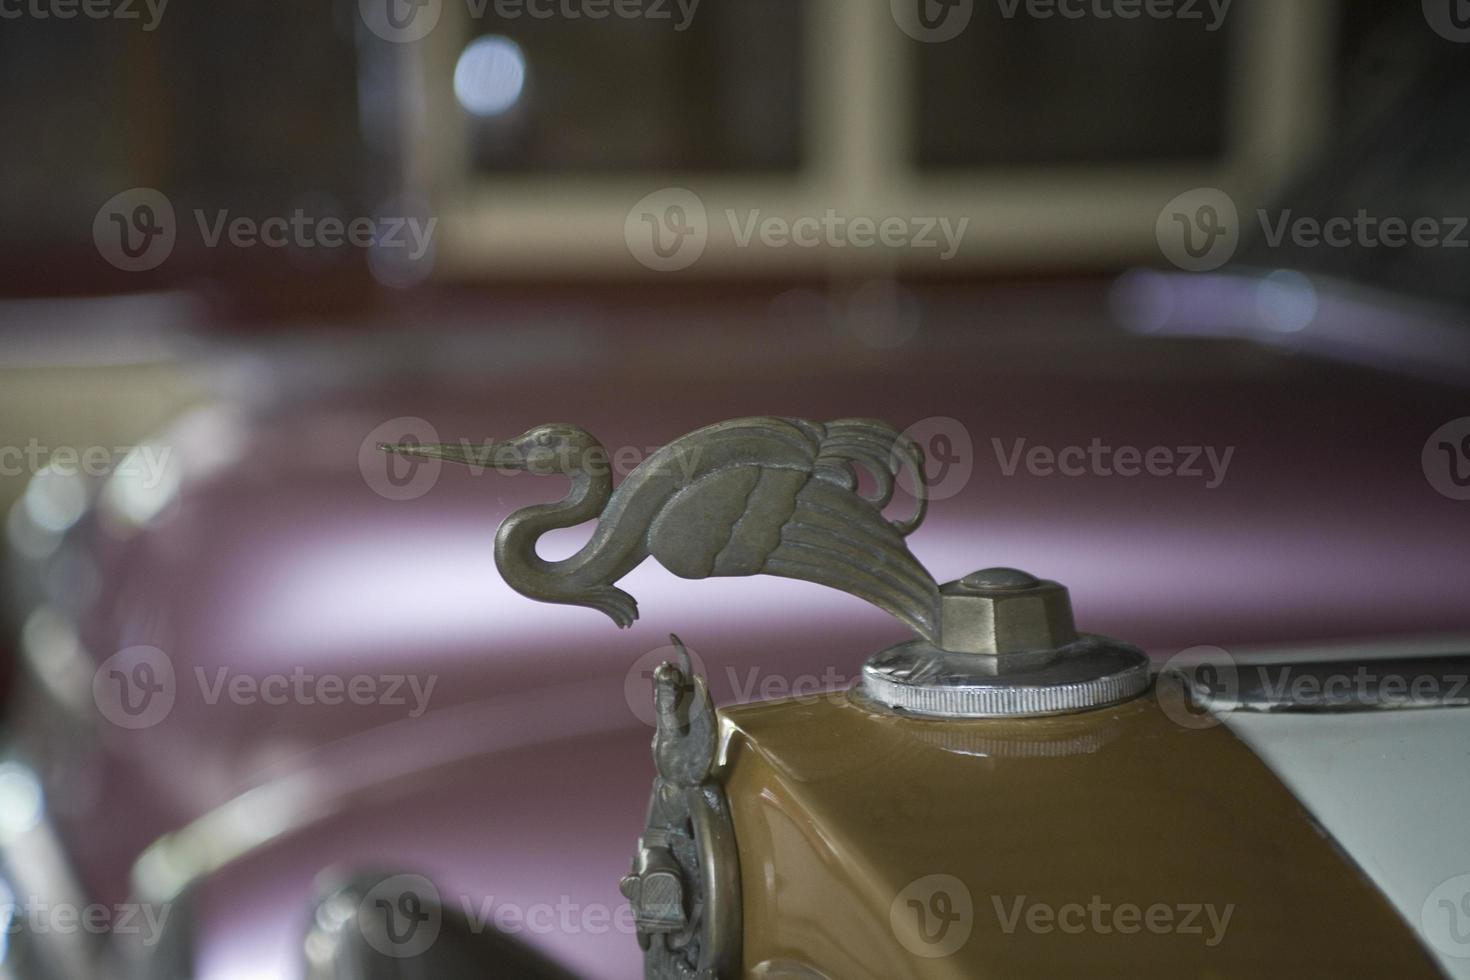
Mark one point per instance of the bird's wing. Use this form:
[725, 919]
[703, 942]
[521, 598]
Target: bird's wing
[881, 450]
[836, 538]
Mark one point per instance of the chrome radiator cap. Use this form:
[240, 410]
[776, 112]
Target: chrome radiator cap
[1010, 651]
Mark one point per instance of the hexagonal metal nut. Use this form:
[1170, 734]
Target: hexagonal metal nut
[1035, 616]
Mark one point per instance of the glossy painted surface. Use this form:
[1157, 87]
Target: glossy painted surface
[1111, 843]
[1392, 788]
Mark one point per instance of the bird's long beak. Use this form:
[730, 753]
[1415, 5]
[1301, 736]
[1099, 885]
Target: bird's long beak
[499, 455]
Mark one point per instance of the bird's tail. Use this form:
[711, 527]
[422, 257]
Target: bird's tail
[883, 452]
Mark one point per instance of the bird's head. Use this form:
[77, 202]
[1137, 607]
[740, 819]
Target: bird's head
[554, 448]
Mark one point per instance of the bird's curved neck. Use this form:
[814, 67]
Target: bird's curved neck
[515, 545]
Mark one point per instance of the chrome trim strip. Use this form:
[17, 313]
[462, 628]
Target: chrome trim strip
[1378, 684]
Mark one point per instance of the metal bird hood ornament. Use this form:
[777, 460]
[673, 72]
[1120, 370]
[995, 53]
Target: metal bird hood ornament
[775, 496]
[782, 496]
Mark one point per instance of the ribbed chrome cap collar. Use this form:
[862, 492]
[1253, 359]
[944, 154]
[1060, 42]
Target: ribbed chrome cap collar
[919, 678]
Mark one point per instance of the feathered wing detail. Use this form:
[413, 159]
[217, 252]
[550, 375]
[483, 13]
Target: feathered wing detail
[881, 450]
[839, 539]
[805, 519]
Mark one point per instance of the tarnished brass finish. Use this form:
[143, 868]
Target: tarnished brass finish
[781, 496]
[1011, 651]
[1004, 610]
[684, 886]
[839, 809]
[763, 495]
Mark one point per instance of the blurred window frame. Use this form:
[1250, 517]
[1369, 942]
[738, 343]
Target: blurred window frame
[860, 89]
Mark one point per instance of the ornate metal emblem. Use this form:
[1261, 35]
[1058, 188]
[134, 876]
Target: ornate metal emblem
[685, 882]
